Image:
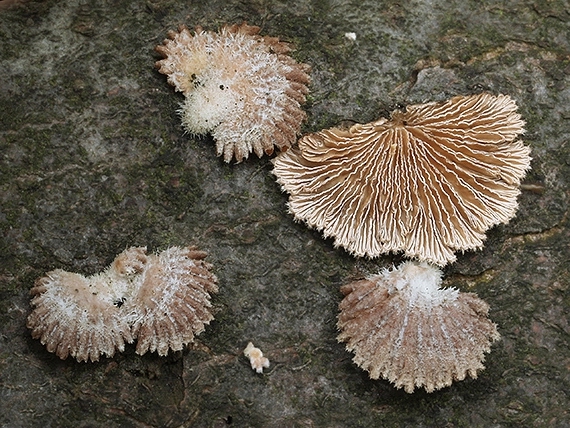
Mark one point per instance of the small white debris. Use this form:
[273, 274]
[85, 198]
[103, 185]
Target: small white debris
[350, 36]
[256, 358]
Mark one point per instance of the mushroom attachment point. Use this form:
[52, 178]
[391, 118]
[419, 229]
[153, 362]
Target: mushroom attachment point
[241, 87]
[161, 300]
[403, 327]
[429, 182]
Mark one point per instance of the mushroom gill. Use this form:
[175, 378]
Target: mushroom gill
[162, 300]
[430, 181]
[403, 327]
[239, 86]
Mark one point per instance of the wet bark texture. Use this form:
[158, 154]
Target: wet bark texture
[93, 160]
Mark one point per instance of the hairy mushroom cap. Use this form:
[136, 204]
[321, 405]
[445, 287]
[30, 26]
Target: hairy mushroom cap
[87, 317]
[239, 86]
[173, 301]
[82, 316]
[401, 326]
[428, 182]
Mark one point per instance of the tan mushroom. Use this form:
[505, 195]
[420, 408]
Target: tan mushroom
[256, 359]
[172, 302]
[239, 86]
[428, 182]
[163, 299]
[78, 316]
[403, 327]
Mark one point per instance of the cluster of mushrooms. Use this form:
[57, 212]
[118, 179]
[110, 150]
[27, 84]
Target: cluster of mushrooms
[161, 300]
[427, 182]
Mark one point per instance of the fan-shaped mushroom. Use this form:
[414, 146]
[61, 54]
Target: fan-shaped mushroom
[403, 327]
[428, 182]
[79, 316]
[172, 302]
[239, 86]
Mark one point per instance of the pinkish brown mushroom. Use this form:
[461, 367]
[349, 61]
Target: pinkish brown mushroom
[239, 86]
[78, 316]
[430, 181]
[403, 327]
[163, 300]
[172, 301]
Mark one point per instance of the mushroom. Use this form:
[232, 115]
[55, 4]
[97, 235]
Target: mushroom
[161, 299]
[79, 316]
[403, 327]
[172, 302]
[256, 359]
[239, 86]
[430, 181]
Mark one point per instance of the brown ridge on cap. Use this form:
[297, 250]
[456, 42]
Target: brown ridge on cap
[430, 181]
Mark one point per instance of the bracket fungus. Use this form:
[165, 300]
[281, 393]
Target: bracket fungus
[239, 86]
[430, 181]
[403, 327]
[161, 300]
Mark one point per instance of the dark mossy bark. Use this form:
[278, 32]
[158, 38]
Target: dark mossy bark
[93, 160]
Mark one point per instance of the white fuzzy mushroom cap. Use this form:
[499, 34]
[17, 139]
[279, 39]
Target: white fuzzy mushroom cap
[239, 86]
[429, 182]
[79, 316]
[161, 299]
[172, 303]
[403, 327]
